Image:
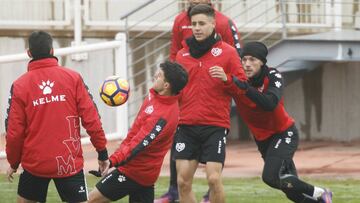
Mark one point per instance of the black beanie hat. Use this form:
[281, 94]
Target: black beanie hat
[255, 49]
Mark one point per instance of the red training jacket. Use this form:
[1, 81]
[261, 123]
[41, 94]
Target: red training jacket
[42, 126]
[206, 100]
[263, 123]
[182, 30]
[141, 154]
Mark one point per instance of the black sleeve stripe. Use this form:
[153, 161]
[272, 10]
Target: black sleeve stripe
[8, 109]
[157, 129]
[270, 98]
[276, 84]
[90, 95]
[273, 71]
[235, 35]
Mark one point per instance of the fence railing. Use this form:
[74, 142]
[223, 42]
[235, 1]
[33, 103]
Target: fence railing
[21, 14]
[120, 69]
[270, 21]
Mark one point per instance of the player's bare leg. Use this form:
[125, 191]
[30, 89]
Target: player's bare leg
[186, 170]
[213, 175]
[23, 200]
[95, 196]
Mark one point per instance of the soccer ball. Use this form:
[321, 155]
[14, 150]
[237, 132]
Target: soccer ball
[114, 91]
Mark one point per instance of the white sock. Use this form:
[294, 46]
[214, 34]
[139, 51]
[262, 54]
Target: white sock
[318, 192]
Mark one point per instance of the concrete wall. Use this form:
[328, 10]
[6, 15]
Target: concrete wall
[325, 102]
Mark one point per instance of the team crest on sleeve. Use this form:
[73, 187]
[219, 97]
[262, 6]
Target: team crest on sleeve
[278, 75]
[158, 128]
[233, 28]
[216, 51]
[278, 84]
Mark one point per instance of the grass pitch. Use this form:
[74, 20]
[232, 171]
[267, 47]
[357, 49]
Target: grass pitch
[247, 190]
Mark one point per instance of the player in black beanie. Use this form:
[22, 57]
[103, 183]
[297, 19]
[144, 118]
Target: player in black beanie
[255, 49]
[261, 105]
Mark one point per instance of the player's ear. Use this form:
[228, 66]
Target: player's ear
[52, 51]
[29, 53]
[167, 86]
[213, 23]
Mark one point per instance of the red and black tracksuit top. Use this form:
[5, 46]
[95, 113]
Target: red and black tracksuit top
[141, 154]
[261, 106]
[206, 100]
[181, 30]
[43, 121]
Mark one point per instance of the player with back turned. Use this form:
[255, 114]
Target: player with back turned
[43, 127]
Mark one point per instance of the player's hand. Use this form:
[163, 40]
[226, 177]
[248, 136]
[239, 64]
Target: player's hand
[102, 170]
[218, 72]
[99, 174]
[9, 174]
[103, 165]
[95, 173]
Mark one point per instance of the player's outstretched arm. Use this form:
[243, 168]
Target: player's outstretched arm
[270, 98]
[143, 138]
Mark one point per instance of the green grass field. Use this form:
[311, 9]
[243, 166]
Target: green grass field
[247, 190]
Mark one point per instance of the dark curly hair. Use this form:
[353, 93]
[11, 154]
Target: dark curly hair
[174, 74]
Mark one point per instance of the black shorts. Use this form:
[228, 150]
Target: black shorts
[282, 145]
[70, 189]
[201, 143]
[116, 185]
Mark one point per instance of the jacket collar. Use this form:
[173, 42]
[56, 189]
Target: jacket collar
[198, 49]
[163, 99]
[187, 48]
[42, 63]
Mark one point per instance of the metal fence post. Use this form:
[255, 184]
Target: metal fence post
[283, 18]
[122, 112]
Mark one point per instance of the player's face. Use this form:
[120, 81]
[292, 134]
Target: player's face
[251, 65]
[202, 26]
[160, 83]
[196, 2]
